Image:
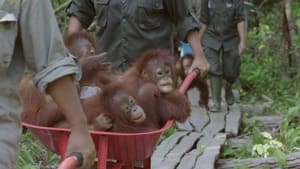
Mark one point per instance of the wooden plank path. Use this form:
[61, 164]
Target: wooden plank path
[197, 142]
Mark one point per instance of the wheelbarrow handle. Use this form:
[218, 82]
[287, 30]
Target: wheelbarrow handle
[72, 162]
[188, 80]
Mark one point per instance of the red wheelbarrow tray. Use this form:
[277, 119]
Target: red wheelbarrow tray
[123, 147]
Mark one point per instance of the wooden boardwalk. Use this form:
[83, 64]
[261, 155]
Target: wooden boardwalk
[197, 142]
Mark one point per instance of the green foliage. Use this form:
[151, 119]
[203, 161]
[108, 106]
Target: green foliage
[241, 166]
[280, 156]
[244, 151]
[286, 141]
[265, 37]
[201, 147]
[290, 130]
[265, 67]
[269, 147]
[167, 134]
[296, 15]
[33, 155]
[29, 166]
[246, 128]
[236, 152]
[268, 75]
[61, 15]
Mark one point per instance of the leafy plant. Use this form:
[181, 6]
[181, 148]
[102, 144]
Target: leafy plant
[243, 151]
[167, 134]
[33, 155]
[289, 133]
[236, 152]
[238, 166]
[269, 147]
[201, 147]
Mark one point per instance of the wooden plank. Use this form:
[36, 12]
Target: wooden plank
[179, 150]
[217, 124]
[271, 122]
[184, 126]
[199, 118]
[239, 141]
[212, 141]
[208, 158]
[183, 147]
[166, 146]
[233, 119]
[168, 164]
[236, 94]
[196, 113]
[193, 95]
[211, 153]
[189, 159]
[172, 157]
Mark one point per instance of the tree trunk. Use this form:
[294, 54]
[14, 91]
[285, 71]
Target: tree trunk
[292, 33]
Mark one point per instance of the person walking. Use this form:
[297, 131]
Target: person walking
[224, 40]
[30, 39]
[126, 28]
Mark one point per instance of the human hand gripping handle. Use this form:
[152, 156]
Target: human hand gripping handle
[202, 65]
[65, 94]
[188, 80]
[80, 140]
[199, 61]
[72, 162]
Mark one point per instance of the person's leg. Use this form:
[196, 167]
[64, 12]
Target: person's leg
[229, 97]
[216, 88]
[10, 130]
[215, 76]
[231, 64]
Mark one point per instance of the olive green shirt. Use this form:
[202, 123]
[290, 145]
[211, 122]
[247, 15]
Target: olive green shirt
[30, 38]
[222, 17]
[125, 28]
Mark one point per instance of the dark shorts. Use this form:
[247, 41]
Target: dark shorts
[224, 64]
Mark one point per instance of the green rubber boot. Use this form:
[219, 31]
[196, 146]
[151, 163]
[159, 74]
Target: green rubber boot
[216, 86]
[229, 97]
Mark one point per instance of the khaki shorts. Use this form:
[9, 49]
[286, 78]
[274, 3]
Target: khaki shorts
[10, 130]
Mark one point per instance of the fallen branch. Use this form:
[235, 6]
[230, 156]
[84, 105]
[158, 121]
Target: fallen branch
[293, 162]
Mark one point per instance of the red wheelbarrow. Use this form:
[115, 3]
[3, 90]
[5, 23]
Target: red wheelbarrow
[116, 150]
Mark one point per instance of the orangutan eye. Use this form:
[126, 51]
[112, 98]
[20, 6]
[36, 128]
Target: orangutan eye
[92, 52]
[131, 100]
[126, 108]
[159, 73]
[168, 71]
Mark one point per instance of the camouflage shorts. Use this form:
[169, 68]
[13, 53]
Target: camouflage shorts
[224, 63]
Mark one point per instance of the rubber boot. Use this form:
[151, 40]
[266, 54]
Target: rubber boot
[216, 86]
[229, 97]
